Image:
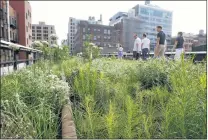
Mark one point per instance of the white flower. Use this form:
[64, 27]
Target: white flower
[45, 43]
[92, 44]
[14, 46]
[53, 36]
[54, 46]
[37, 44]
[101, 48]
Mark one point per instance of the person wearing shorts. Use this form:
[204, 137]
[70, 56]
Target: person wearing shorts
[160, 46]
[179, 46]
[137, 47]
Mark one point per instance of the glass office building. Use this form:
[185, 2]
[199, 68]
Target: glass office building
[151, 16]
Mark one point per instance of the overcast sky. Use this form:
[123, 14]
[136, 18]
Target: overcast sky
[188, 16]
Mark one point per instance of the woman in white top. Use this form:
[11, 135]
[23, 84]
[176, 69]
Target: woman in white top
[120, 52]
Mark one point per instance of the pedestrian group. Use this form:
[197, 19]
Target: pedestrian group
[141, 47]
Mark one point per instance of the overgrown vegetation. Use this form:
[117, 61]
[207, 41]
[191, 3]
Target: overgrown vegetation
[128, 99]
[110, 99]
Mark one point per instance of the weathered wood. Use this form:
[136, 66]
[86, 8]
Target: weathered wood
[68, 126]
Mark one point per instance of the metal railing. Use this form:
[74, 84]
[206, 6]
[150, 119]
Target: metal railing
[10, 60]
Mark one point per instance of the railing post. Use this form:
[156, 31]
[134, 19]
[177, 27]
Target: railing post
[27, 58]
[34, 57]
[16, 52]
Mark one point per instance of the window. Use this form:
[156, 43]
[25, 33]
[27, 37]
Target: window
[38, 34]
[109, 37]
[38, 27]
[98, 36]
[46, 28]
[83, 37]
[104, 37]
[108, 31]
[104, 44]
[51, 28]
[38, 31]
[33, 34]
[94, 29]
[27, 40]
[83, 29]
[105, 31]
[10, 34]
[27, 28]
[26, 15]
[33, 38]
[88, 29]
[51, 31]
[33, 27]
[95, 38]
[38, 38]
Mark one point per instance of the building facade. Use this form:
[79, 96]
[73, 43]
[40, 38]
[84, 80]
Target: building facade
[117, 18]
[13, 20]
[24, 20]
[4, 21]
[42, 32]
[72, 29]
[101, 35]
[151, 16]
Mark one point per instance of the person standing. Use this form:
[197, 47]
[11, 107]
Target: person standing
[137, 47]
[179, 46]
[145, 47]
[160, 45]
[120, 52]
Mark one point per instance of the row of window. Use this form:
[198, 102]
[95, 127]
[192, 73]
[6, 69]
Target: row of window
[156, 19]
[38, 27]
[156, 13]
[97, 37]
[105, 30]
[40, 31]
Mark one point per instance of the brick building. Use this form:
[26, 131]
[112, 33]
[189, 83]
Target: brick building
[13, 18]
[24, 20]
[102, 35]
[23, 10]
[4, 20]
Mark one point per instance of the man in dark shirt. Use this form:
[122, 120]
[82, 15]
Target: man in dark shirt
[179, 45]
[160, 46]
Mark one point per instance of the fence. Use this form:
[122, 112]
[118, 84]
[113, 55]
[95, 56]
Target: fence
[198, 56]
[10, 56]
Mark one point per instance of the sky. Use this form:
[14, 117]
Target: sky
[188, 16]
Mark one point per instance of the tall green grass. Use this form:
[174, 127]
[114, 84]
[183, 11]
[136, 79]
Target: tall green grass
[153, 99]
[31, 101]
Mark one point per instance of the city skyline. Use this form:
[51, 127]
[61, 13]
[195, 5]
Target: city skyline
[185, 19]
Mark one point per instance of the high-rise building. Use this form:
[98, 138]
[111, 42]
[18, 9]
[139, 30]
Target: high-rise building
[151, 16]
[142, 19]
[42, 32]
[101, 35]
[4, 21]
[72, 29]
[117, 18]
[23, 10]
